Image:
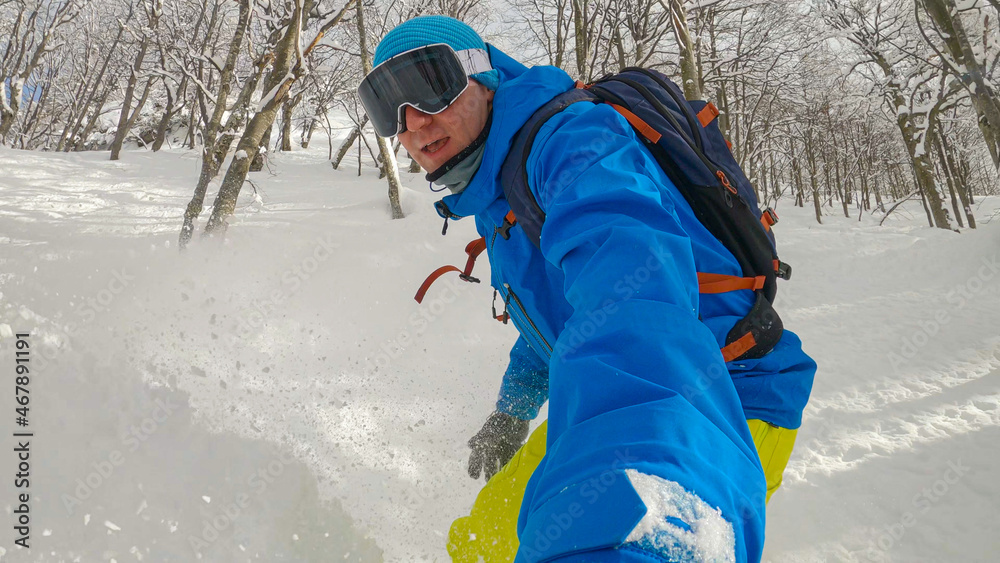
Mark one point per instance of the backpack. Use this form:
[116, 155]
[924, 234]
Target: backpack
[686, 142]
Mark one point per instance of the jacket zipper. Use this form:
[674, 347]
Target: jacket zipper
[537, 334]
[534, 332]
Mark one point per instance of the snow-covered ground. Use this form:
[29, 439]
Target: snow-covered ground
[281, 397]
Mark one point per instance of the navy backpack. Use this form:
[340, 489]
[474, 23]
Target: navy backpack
[686, 141]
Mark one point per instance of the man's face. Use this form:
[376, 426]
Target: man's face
[433, 139]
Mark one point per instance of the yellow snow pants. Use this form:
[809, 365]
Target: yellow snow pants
[489, 532]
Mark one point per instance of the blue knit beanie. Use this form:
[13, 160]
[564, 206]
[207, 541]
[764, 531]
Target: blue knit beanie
[428, 30]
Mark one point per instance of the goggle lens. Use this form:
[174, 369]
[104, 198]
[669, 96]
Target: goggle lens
[429, 79]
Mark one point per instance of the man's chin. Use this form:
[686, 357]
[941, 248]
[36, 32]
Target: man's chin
[439, 159]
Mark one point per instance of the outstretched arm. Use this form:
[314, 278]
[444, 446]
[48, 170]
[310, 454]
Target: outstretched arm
[648, 445]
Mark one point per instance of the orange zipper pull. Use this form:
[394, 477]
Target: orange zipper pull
[725, 181]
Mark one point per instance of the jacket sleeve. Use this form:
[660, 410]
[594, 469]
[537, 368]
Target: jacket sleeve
[525, 386]
[648, 447]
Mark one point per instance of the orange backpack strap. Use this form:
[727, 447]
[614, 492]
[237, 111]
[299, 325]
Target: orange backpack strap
[739, 347]
[473, 249]
[641, 126]
[721, 283]
[747, 342]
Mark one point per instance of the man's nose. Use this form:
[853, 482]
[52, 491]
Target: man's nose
[416, 119]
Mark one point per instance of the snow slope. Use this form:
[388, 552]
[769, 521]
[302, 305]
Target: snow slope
[300, 406]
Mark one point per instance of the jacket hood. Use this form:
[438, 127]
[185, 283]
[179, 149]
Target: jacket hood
[521, 92]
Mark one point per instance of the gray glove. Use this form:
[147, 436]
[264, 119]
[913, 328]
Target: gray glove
[497, 442]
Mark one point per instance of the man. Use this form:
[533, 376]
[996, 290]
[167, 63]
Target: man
[648, 455]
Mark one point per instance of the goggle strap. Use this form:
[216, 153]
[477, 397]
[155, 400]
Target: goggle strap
[474, 61]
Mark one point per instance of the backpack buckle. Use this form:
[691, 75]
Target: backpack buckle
[504, 230]
[772, 216]
[508, 221]
[783, 270]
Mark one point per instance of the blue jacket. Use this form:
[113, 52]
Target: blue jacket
[608, 312]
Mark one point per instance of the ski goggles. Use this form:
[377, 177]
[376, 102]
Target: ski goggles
[428, 78]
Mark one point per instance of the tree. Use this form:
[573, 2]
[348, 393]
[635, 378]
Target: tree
[691, 79]
[35, 33]
[389, 167]
[881, 33]
[214, 151]
[962, 62]
[287, 66]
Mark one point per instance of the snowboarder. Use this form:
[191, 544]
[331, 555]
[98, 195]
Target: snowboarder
[657, 448]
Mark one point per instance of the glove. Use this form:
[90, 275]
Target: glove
[497, 442]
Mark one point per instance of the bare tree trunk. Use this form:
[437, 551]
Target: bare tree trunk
[192, 122]
[841, 186]
[168, 113]
[161, 127]
[32, 120]
[923, 199]
[966, 172]
[878, 195]
[286, 69]
[70, 132]
[210, 157]
[811, 158]
[690, 77]
[229, 191]
[286, 128]
[923, 170]
[307, 133]
[720, 91]
[329, 135]
[257, 162]
[352, 137]
[918, 149]
[946, 172]
[125, 119]
[395, 151]
[8, 111]
[287, 109]
[580, 35]
[827, 181]
[139, 105]
[796, 176]
[970, 72]
[81, 140]
[64, 14]
[389, 167]
[616, 40]
[959, 180]
[902, 186]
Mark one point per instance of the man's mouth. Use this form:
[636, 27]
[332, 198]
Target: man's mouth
[431, 148]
